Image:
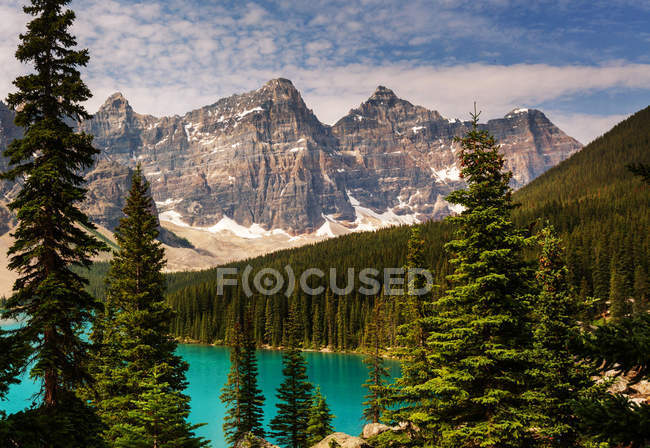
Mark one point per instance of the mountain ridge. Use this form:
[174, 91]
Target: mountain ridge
[261, 163]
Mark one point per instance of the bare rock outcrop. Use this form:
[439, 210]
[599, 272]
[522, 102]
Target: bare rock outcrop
[262, 159]
[342, 440]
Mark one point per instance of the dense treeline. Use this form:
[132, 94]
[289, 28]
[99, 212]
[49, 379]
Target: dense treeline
[600, 209]
[328, 319]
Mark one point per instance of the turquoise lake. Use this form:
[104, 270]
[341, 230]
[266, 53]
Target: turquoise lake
[340, 377]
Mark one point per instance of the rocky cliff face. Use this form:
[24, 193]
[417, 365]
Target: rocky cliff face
[407, 153]
[261, 163]
[8, 132]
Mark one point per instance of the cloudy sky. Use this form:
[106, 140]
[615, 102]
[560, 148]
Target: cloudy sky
[586, 64]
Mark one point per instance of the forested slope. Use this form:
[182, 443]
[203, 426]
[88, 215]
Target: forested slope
[600, 208]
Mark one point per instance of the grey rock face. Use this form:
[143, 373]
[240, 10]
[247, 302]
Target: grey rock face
[264, 158]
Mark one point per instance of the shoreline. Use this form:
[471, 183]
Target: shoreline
[359, 352]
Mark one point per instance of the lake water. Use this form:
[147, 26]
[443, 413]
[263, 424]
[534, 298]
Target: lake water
[340, 377]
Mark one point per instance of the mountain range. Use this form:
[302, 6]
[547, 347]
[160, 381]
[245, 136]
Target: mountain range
[259, 171]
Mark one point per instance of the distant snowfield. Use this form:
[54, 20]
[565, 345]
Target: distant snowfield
[366, 219]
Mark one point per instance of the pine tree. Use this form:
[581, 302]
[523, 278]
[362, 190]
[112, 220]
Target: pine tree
[413, 332]
[251, 399]
[474, 392]
[319, 424]
[132, 333]
[375, 405]
[642, 170]
[640, 290]
[159, 416]
[317, 333]
[51, 235]
[289, 426]
[617, 300]
[230, 393]
[620, 347]
[562, 379]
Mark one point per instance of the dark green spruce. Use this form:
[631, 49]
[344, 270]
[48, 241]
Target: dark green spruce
[51, 235]
[289, 426]
[241, 395]
[620, 346]
[563, 379]
[132, 337]
[374, 404]
[474, 390]
[319, 424]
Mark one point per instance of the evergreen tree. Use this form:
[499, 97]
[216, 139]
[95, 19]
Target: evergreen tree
[230, 393]
[51, 236]
[642, 170]
[562, 380]
[159, 416]
[640, 290]
[413, 333]
[289, 426]
[617, 299]
[319, 424]
[251, 399]
[475, 391]
[621, 347]
[132, 334]
[374, 406]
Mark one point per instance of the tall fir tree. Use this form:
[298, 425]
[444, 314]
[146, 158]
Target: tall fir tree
[562, 380]
[375, 399]
[413, 332]
[51, 236]
[251, 398]
[474, 391]
[159, 416]
[230, 393]
[289, 426]
[319, 424]
[132, 333]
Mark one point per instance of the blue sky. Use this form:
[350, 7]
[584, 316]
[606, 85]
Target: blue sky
[585, 63]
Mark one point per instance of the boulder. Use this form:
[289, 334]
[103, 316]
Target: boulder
[339, 439]
[374, 429]
[252, 441]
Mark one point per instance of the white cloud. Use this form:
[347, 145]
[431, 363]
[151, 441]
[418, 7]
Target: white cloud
[169, 57]
[585, 127]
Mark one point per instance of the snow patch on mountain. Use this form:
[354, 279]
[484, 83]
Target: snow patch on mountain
[451, 173]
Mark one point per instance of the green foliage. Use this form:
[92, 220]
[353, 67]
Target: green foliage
[49, 236]
[641, 169]
[619, 346]
[289, 426]
[601, 211]
[131, 335]
[561, 378]
[241, 395]
[474, 391]
[159, 416]
[230, 393]
[328, 320]
[375, 406]
[319, 424]
[616, 421]
[69, 424]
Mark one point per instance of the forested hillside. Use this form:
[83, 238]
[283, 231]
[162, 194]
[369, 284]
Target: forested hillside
[601, 210]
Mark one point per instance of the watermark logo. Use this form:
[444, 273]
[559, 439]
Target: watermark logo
[312, 281]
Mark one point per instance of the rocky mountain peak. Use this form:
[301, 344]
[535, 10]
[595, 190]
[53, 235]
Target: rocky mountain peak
[261, 161]
[117, 105]
[116, 98]
[280, 84]
[383, 94]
